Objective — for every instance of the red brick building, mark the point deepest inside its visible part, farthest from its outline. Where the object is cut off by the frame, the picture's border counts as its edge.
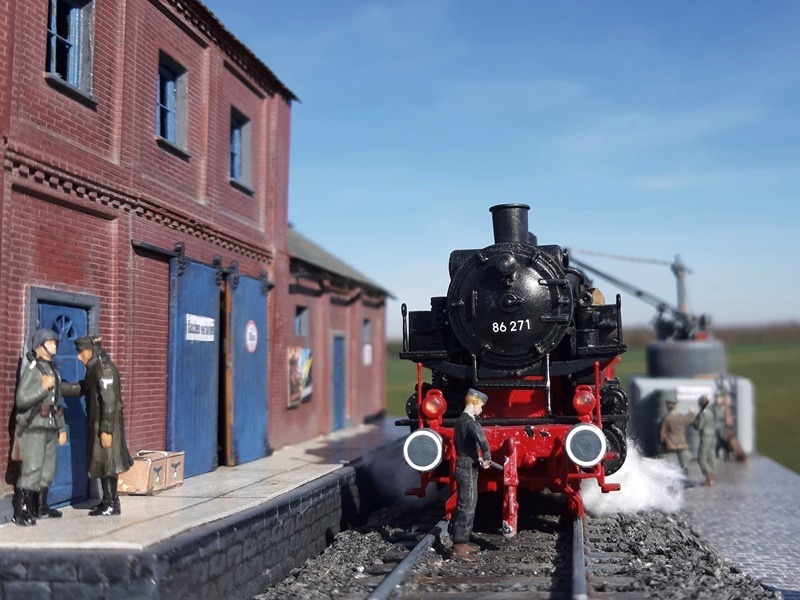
(144, 199)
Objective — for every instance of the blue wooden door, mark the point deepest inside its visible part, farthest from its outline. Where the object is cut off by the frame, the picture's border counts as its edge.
(72, 481)
(339, 382)
(193, 397)
(246, 370)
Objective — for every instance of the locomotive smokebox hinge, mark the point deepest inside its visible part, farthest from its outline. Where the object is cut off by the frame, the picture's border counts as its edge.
(180, 251)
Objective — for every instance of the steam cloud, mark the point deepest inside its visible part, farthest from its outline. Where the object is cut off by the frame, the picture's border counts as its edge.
(647, 483)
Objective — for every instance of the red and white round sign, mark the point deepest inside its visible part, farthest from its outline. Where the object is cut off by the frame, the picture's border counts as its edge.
(251, 336)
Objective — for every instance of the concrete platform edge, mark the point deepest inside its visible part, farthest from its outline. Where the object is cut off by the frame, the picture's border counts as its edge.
(234, 557)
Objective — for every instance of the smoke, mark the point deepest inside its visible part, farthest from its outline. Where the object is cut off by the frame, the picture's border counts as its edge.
(647, 483)
(391, 477)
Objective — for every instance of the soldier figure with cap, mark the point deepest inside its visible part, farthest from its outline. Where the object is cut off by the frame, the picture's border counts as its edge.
(108, 451)
(40, 428)
(673, 434)
(706, 424)
(468, 439)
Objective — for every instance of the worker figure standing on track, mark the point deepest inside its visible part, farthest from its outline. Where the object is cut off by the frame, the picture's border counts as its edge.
(468, 438)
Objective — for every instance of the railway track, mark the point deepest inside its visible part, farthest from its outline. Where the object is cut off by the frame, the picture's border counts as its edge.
(546, 561)
(574, 558)
(651, 554)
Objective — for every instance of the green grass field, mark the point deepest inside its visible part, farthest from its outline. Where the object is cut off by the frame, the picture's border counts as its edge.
(773, 368)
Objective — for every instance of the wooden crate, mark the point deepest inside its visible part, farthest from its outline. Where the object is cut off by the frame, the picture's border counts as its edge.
(173, 474)
(146, 476)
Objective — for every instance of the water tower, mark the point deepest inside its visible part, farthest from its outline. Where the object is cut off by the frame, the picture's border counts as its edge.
(684, 362)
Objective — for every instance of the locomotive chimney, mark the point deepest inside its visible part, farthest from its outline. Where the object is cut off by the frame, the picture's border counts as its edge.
(510, 223)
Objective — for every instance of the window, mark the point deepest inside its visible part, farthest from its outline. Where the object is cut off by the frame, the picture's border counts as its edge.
(301, 320)
(240, 148)
(366, 331)
(69, 37)
(366, 342)
(171, 102)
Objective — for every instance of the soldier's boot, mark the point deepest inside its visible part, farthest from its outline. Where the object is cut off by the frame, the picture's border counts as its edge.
(21, 503)
(42, 510)
(115, 504)
(110, 504)
(105, 503)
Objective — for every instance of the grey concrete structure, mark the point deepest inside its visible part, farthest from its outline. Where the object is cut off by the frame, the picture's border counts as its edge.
(752, 518)
(648, 396)
(225, 534)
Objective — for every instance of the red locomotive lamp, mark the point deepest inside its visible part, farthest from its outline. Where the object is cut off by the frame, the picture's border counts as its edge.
(522, 326)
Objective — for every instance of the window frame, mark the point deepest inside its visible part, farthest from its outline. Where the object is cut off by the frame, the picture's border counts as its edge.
(77, 42)
(366, 331)
(302, 320)
(240, 150)
(171, 104)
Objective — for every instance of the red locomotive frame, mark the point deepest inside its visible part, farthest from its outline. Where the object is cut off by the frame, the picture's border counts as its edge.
(556, 415)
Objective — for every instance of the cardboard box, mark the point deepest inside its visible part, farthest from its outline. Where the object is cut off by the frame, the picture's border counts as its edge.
(174, 468)
(146, 476)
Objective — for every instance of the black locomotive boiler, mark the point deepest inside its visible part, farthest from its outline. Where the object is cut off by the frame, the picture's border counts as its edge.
(521, 325)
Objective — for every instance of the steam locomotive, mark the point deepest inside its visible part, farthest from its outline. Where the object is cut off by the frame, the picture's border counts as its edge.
(521, 325)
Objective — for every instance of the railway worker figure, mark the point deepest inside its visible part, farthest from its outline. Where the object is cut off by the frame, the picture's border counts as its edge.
(468, 438)
(40, 428)
(706, 424)
(673, 434)
(108, 451)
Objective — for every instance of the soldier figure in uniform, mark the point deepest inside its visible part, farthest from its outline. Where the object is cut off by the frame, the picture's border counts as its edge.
(673, 434)
(706, 424)
(468, 438)
(40, 429)
(108, 451)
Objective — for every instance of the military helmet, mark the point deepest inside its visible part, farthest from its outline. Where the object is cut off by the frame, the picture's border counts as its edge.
(87, 342)
(42, 335)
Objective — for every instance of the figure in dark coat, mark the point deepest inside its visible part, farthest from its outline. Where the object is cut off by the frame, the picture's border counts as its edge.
(108, 451)
(468, 439)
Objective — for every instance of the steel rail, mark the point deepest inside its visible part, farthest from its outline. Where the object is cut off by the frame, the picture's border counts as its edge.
(579, 586)
(403, 569)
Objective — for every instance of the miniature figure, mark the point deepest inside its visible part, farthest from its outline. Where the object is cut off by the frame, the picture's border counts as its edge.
(727, 441)
(39, 428)
(673, 434)
(468, 437)
(706, 424)
(108, 451)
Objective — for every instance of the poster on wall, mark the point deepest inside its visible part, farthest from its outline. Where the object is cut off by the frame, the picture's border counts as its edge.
(299, 361)
(366, 355)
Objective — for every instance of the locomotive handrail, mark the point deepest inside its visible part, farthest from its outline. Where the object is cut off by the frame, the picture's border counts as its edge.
(505, 421)
(434, 360)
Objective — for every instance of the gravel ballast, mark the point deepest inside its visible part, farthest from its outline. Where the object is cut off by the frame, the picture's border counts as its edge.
(660, 555)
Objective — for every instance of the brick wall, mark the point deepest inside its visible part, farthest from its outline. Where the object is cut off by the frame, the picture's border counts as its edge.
(83, 175)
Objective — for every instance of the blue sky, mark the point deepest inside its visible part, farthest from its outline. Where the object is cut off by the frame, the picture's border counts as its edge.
(645, 129)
